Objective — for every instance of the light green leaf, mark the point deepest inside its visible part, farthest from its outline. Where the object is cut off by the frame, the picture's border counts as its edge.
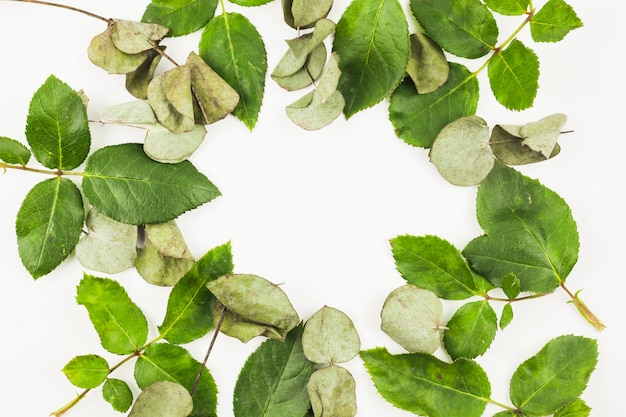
(461, 151)
(48, 225)
(117, 393)
(464, 28)
(555, 376)
(103, 53)
(554, 21)
(87, 371)
(514, 76)
(507, 145)
(165, 146)
(188, 308)
(305, 76)
(459, 389)
(137, 81)
(165, 362)
(171, 100)
(121, 325)
(133, 112)
(434, 264)
(134, 37)
(372, 40)
(529, 231)
(231, 45)
(13, 152)
(418, 118)
(163, 399)
(109, 246)
(507, 316)
(504, 413)
(126, 185)
(427, 67)
(57, 128)
(541, 136)
(250, 3)
(411, 316)
(330, 337)
(332, 391)
(511, 286)
(508, 7)
(301, 49)
(471, 330)
(577, 408)
(272, 382)
(182, 17)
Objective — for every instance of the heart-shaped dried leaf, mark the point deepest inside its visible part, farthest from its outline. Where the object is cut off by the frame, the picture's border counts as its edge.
(541, 136)
(507, 145)
(137, 81)
(428, 66)
(165, 146)
(163, 399)
(171, 100)
(134, 37)
(103, 53)
(461, 151)
(332, 392)
(411, 316)
(330, 337)
(132, 112)
(304, 76)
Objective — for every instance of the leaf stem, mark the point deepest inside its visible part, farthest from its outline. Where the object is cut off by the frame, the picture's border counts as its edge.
(64, 6)
(4, 166)
(206, 357)
(507, 300)
(583, 309)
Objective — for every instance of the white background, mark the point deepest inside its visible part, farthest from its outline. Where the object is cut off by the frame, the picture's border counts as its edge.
(315, 210)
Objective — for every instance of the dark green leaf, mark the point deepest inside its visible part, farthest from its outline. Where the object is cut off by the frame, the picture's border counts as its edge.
(514, 76)
(272, 383)
(553, 21)
(434, 264)
(165, 362)
(180, 16)
(233, 48)
(471, 330)
(507, 316)
(117, 393)
(555, 376)
(57, 128)
(13, 152)
(49, 224)
(372, 41)
(460, 389)
(87, 371)
(577, 408)
(508, 7)
(126, 185)
(418, 118)
(332, 391)
(510, 286)
(163, 399)
(188, 315)
(529, 232)
(464, 28)
(121, 325)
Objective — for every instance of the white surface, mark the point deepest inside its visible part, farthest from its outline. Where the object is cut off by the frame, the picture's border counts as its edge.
(315, 210)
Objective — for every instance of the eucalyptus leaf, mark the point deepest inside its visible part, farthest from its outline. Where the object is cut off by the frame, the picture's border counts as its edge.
(163, 399)
(182, 17)
(134, 37)
(137, 81)
(427, 67)
(87, 371)
(163, 145)
(171, 100)
(117, 393)
(305, 13)
(132, 112)
(471, 330)
(577, 408)
(541, 136)
(332, 391)
(508, 7)
(330, 337)
(13, 152)
(554, 21)
(506, 317)
(305, 76)
(507, 145)
(103, 53)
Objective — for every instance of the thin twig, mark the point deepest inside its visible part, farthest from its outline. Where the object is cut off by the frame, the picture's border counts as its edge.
(206, 357)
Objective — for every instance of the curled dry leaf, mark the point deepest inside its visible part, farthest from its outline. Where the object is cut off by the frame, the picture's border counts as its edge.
(138, 80)
(332, 391)
(170, 98)
(168, 147)
(135, 37)
(301, 14)
(163, 399)
(428, 66)
(330, 337)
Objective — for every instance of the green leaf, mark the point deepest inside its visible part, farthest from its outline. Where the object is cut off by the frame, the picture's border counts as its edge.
(529, 231)
(188, 316)
(332, 391)
(461, 151)
(165, 362)
(555, 376)
(464, 28)
(13, 152)
(117, 393)
(553, 21)
(372, 41)
(434, 264)
(459, 389)
(418, 118)
(577, 408)
(87, 371)
(427, 67)
(248, 3)
(272, 382)
(471, 330)
(511, 286)
(411, 316)
(505, 413)
(514, 76)
(121, 325)
(330, 337)
(182, 17)
(48, 225)
(508, 7)
(507, 316)
(163, 399)
(57, 128)
(126, 185)
(231, 45)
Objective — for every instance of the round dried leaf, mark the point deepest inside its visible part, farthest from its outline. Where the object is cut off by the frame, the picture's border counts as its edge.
(330, 337)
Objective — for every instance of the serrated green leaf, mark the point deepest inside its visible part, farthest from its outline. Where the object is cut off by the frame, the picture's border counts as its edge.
(87, 371)
(332, 391)
(529, 231)
(507, 316)
(330, 337)
(103, 53)
(508, 7)
(418, 118)
(411, 316)
(554, 21)
(137, 81)
(577, 408)
(372, 41)
(171, 100)
(163, 399)
(434, 264)
(541, 136)
(514, 76)
(48, 225)
(182, 17)
(464, 28)
(555, 376)
(117, 393)
(57, 128)
(188, 314)
(165, 362)
(272, 382)
(132, 112)
(459, 389)
(120, 324)
(250, 3)
(13, 152)
(505, 413)
(135, 37)
(163, 145)
(461, 151)
(125, 184)
(511, 286)
(427, 67)
(231, 45)
(471, 330)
